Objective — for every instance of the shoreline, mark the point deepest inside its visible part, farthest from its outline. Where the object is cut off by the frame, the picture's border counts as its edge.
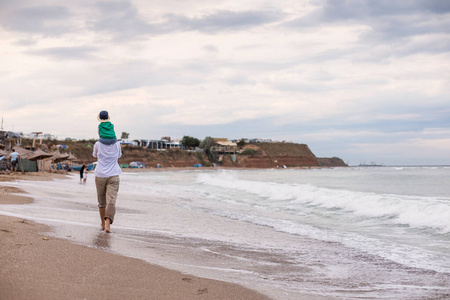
(12, 195)
(35, 265)
(131, 170)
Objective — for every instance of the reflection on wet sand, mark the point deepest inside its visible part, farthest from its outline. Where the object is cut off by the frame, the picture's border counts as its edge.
(102, 240)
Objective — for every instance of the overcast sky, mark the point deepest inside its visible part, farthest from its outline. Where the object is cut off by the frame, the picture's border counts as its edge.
(361, 80)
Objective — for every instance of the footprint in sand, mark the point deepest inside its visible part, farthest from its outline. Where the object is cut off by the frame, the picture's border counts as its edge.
(202, 291)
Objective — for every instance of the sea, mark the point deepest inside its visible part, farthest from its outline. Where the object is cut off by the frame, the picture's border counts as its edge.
(333, 233)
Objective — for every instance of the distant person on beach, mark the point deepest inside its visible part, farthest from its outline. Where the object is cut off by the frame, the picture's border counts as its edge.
(82, 171)
(107, 151)
(14, 160)
(85, 176)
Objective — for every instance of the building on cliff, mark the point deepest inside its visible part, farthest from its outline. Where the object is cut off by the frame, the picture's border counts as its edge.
(164, 143)
(224, 147)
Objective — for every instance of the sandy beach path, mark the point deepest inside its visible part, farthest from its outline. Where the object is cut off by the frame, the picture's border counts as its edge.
(35, 266)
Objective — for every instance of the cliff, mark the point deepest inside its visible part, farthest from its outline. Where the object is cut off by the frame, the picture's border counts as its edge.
(271, 155)
(168, 158)
(331, 162)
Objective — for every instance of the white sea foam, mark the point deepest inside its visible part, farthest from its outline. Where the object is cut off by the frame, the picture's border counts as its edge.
(414, 211)
(374, 223)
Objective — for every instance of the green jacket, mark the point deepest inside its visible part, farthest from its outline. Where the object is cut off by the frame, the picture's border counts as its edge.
(106, 130)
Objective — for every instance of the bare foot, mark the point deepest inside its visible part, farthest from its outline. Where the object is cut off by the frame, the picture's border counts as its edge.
(103, 225)
(107, 227)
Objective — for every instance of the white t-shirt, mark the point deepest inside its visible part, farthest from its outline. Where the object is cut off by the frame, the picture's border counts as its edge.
(107, 156)
(14, 155)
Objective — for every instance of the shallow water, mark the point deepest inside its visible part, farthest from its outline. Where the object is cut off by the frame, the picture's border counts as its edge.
(348, 232)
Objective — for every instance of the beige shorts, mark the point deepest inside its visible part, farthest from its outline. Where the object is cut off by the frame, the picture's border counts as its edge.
(107, 189)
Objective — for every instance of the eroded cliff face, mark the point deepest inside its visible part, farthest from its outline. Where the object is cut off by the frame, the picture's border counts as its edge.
(168, 158)
(263, 155)
(272, 155)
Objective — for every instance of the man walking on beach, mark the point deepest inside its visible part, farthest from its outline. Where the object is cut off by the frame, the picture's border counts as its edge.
(107, 151)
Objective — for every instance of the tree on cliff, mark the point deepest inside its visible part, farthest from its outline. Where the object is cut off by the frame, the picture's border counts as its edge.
(124, 135)
(190, 142)
(241, 143)
(206, 146)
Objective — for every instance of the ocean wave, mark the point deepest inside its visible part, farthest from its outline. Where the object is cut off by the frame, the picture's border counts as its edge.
(413, 211)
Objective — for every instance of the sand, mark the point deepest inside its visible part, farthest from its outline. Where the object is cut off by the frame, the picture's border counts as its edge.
(36, 266)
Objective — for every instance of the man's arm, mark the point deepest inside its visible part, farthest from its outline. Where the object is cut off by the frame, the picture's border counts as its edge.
(95, 150)
(120, 150)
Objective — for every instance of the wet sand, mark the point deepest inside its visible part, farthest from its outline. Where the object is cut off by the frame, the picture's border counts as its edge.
(34, 265)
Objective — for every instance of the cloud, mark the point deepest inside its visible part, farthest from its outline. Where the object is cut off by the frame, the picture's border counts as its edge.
(239, 80)
(64, 53)
(346, 10)
(398, 23)
(103, 77)
(224, 20)
(25, 42)
(44, 20)
(210, 49)
(123, 21)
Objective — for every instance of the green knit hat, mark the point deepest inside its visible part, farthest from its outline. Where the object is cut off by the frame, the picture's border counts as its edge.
(106, 130)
